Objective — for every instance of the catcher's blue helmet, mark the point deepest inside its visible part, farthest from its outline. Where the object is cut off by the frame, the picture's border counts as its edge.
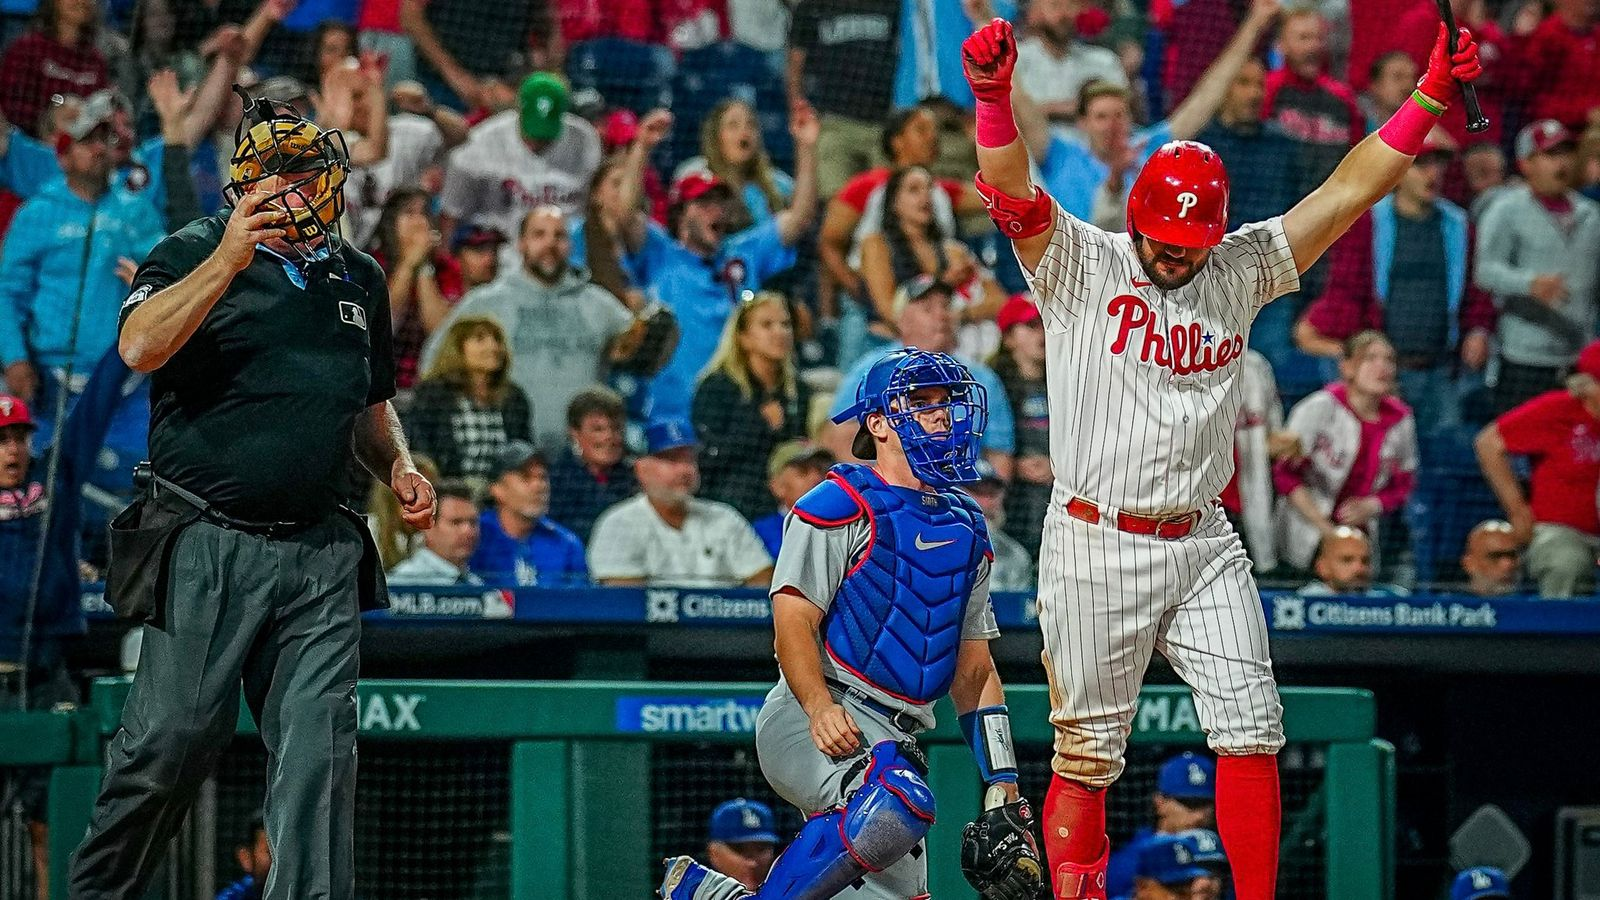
(940, 458)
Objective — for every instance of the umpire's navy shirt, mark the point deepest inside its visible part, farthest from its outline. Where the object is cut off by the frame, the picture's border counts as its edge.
(255, 412)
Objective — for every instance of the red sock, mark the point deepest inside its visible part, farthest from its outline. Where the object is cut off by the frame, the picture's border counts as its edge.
(1249, 816)
(1074, 822)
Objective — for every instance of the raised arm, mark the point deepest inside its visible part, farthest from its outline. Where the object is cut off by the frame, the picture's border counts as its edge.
(1374, 167)
(1022, 212)
(1208, 93)
(805, 128)
(652, 131)
(414, 19)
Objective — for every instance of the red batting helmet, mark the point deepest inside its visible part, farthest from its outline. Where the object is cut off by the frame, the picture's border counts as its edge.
(1181, 196)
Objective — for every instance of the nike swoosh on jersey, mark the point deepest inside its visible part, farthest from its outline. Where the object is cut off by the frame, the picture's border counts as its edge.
(931, 545)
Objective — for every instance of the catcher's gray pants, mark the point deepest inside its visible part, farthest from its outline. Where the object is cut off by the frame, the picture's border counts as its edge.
(281, 616)
(816, 782)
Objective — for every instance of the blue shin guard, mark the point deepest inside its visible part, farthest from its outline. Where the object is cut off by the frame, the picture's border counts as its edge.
(880, 823)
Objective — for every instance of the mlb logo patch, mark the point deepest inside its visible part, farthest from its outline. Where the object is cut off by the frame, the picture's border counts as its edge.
(352, 314)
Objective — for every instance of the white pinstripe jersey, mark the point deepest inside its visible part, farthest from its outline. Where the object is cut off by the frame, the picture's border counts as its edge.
(1141, 381)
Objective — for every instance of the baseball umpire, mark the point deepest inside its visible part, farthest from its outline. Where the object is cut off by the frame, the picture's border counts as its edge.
(269, 345)
(880, 604)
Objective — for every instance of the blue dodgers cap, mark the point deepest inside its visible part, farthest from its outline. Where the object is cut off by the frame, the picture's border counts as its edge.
(1188, 776)
(666, 434)
(1480, 883)
(742, 821)
(1205, 846)
(1169, 859)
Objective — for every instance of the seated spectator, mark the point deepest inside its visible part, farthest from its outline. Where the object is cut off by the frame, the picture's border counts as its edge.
(254, 856)
(57, 57)
(1556, 520)
(1483, 167)
(424, 281)
(911, 242)
(925, 320)
(1538, 252)
(731, 151)
(1343, 565)
(793, 468)
(1012, 567)
(65, 268)
(1480, 883)
(1309, 104)
(1361, 453)
(1053, 65)
(449, 545)
(1259, 442)
(416, 136)
(1407, 272)
(1492, 559)
(564, 329)
(590, 473)
(519, 160)
(842, 57)
(477, 255)
(750, 399)
(1091, 177)
(1186, 866)
(1247, 144)
(1185, 798)
(701, 274)
(1020, 367)
(395, 539)
(518, 544)
(1390, 80)
(743, 841)
(665, 535)
(466, 407)
(1558, 76)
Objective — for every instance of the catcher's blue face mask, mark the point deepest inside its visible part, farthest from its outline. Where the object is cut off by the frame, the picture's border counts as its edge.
(933, 404)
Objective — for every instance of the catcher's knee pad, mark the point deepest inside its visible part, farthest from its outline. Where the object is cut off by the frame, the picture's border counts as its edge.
(880, 823)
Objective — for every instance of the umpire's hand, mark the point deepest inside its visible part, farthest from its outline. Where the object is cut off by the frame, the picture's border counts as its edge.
(417, 501)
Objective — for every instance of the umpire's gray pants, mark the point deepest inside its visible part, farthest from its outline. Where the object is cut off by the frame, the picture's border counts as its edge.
(281, 616)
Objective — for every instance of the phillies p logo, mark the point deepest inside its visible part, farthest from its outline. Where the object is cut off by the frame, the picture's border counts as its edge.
(1186, 200)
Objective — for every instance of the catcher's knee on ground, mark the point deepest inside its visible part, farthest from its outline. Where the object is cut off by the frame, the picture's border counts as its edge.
(880, 823)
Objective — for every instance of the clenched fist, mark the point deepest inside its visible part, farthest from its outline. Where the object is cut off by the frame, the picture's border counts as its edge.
(988, 55)
(1447, 71)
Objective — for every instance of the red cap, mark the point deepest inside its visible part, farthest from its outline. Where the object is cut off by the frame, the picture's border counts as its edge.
(1542, 137)
(14, 412)
(695, 185)
(1589, 361)
(1181, 196)
(1016, 311)
(619, 128)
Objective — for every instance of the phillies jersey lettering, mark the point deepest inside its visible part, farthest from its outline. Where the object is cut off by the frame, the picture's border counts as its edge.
(1142, 382)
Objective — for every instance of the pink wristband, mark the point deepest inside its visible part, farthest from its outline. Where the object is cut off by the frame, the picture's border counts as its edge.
(996, 126)
(1408, 127)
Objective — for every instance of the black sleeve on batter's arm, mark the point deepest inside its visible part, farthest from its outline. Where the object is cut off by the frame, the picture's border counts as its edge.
(380, 358)
(176, 256)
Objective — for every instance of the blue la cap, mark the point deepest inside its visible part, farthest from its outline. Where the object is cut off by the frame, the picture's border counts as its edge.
(1188, 776)
(666, 434)
(1480, 883)
(1205, 846)
(1169, 859)
(742, 821)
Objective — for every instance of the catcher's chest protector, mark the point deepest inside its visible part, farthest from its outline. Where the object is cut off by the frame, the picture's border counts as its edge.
(897, 618)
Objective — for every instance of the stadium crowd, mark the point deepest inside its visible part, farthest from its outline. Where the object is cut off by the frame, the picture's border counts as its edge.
(619, 330)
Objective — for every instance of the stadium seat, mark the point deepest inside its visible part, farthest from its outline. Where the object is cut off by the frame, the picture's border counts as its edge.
(1450, 497)
(626, 74)
(707, 76)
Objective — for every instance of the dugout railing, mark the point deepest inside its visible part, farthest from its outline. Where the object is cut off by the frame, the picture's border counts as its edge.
(576, 789)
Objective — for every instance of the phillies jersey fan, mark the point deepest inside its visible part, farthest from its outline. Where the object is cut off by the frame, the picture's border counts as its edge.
(1144, 334)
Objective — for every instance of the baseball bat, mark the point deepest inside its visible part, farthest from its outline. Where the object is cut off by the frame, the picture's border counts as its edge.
(1476, 120)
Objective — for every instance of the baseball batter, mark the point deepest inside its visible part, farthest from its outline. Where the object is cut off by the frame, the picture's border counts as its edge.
(1144, 336)
(880, 605)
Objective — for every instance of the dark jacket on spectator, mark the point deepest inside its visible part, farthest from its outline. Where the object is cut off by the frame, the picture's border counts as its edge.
(736, 440)
(577, 497)
(35, 67)
(460, 436)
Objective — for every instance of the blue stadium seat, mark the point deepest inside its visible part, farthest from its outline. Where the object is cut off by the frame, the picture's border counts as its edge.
(712, 74)
(1449, 499)
(626, 74)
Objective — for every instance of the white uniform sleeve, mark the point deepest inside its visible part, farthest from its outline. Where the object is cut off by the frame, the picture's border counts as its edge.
(813, 561)
(1260, 254)
(741, 546)
(979, 624)
(461, 194)
(1062, 281)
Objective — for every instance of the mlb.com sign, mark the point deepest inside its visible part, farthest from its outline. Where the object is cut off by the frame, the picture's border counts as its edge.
(688, 715)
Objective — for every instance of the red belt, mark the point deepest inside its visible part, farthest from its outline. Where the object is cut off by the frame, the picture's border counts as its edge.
(1162, 528)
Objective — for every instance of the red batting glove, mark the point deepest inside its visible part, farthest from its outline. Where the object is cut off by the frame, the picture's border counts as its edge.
(988, 55)
(1446, 72)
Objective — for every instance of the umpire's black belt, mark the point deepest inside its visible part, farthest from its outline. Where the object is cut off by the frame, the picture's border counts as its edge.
(274, 530)
(899, 718)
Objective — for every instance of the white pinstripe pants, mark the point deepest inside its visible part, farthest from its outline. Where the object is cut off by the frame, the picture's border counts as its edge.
(1108, 598)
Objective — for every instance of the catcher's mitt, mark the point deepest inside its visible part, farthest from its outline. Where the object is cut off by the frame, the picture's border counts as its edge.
(998, 854)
